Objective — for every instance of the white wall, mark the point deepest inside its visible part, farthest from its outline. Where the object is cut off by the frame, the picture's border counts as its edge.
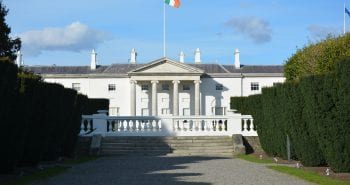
(263, 82)
(210, 97)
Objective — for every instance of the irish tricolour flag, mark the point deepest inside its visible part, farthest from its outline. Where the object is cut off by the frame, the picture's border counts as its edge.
(173, 3)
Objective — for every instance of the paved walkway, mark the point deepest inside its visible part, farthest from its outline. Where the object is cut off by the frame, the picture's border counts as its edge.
(145, 170)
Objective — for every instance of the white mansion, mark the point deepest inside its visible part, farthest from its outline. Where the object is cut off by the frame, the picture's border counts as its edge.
(164, 86)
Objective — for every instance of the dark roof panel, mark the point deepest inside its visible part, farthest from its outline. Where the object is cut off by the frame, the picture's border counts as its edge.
(125, 68)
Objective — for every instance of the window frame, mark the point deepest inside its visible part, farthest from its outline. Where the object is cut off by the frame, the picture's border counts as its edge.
(112, 87)
(76, 86)
(219, 87)
(254, 86)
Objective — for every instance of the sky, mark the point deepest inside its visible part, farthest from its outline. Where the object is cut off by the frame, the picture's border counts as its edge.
(267, 32)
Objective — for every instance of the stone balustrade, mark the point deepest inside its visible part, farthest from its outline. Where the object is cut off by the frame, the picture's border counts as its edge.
(167, 125)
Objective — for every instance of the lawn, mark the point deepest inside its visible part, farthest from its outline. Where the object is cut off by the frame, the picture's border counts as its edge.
(48, 172)
(309, 175)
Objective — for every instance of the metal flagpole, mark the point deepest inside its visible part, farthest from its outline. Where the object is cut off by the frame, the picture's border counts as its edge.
(344, 17)
(163, 29)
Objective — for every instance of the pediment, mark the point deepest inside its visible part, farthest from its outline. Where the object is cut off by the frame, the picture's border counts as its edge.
(166, 66)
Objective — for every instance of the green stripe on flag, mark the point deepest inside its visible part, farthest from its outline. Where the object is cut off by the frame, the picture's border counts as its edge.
(167, 1)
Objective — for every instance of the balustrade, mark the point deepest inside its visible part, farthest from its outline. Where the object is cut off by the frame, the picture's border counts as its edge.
(168, 126)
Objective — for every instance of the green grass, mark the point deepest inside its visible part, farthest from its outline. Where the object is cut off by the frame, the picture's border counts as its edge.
(253, 158)
(49, 172)
(37, 176)
(309, 175)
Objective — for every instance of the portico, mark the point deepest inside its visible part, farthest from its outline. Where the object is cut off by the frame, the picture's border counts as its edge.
(165, 78)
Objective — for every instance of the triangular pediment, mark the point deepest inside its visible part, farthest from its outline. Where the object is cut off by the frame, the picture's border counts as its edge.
(166, 66)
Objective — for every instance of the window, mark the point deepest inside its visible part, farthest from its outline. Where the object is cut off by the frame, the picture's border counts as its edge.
(219, 87)
(114, 111)
(166, 100)
(186, 87)
(144, 87)
(145, 112)
(218, 110)
(76, 86)
(186, 112)
(111, 87)
(254, 86)
(165, 87)
(165, 111)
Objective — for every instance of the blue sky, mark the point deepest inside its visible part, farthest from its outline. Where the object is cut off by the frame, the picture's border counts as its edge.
(63, 32)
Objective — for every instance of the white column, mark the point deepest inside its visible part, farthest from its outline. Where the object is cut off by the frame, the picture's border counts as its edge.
(154, 97)
(176, 98)
(197, 97)
(133, 97)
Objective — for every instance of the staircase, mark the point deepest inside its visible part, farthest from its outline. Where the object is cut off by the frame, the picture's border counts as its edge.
(220, 146)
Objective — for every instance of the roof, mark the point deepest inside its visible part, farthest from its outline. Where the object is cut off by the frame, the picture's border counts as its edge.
(125, 68)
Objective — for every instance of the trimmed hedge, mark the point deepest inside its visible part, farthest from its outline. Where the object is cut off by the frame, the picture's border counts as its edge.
(41, 121)
(314, 113)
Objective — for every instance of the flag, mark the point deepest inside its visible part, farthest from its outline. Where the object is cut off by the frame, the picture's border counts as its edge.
(173, 3)
(347, 12)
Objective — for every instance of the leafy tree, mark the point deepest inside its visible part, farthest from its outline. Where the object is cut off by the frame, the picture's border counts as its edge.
(8, 46)
(317, 58)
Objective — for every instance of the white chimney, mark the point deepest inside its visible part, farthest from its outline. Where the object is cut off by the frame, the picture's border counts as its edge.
(237, 62)
(133, 55)
(19, 60)
(197, 56)
(182, 57)
(93, 60)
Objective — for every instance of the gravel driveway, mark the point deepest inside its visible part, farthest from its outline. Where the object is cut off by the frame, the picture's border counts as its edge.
(151, 170)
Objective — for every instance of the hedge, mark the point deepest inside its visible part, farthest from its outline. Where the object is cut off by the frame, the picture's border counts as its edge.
(314, 112)
(41, 121)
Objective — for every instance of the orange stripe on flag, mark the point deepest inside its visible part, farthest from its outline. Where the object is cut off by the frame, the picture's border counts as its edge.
(177, 3)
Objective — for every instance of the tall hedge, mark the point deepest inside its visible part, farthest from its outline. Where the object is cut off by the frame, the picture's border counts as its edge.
(11, 135)
(41, 121)
(314, 112)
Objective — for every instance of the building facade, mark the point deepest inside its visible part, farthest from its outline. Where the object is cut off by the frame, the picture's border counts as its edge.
(164, 86)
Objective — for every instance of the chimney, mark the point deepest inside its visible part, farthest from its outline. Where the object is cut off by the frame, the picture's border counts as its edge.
(19, 60)
(237, 62)
(133, 55)
(182, 57)
(93, 60)
(197, 56)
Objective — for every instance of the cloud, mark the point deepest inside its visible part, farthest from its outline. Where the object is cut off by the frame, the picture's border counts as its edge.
(74, 37)
(254, 28)
(321, 32)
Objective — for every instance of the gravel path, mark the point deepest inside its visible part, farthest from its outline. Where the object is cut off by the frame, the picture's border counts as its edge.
(146, 170)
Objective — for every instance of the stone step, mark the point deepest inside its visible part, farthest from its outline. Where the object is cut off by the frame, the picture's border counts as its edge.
(143, 153)
(168, 141)
(203, 151)
(165, 139)
(226, 155)
(134, 148)
(201, 144)
(202, 148)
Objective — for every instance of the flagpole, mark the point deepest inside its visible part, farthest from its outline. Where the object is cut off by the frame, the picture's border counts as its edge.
(344, 18)
(163, 29)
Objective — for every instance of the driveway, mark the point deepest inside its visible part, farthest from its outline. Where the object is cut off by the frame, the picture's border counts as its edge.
(153, 170)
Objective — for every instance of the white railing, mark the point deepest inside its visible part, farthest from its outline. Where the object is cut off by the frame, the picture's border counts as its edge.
(167, 125)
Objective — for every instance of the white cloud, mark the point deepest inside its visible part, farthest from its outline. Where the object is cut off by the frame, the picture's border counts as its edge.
(74, 37)
(254, 28)
(321, 32)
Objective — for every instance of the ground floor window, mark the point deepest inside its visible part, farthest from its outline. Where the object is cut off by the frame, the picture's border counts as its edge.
(114, 111)
(186, 112)
(218, 111)
(145, 112)
(165, 111)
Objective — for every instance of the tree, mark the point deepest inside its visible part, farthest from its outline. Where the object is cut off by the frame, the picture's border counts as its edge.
(318, 58)
(8, 46)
